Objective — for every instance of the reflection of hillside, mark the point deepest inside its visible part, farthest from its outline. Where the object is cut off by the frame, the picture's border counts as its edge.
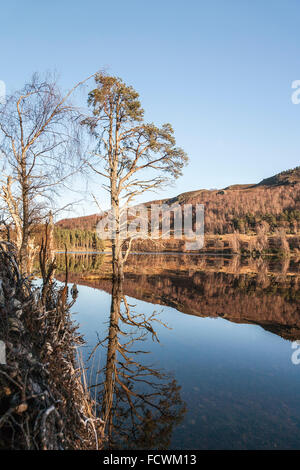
(97, 265)
(238, 293)
(190, 264)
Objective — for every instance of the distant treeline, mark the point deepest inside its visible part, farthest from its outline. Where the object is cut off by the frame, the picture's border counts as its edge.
(77, 239)
(72, 239)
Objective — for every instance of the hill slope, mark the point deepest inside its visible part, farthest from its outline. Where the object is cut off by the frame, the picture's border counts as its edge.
(274, 201)
(288, 177)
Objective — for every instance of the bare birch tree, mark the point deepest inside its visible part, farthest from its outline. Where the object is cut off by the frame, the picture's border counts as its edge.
(39, 150)
(131, 155)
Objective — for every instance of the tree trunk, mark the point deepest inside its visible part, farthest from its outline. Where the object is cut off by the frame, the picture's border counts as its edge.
(117, 255)
(24, 251)
(112, 347)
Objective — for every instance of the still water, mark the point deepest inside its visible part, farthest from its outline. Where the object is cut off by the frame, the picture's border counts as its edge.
(193, 352)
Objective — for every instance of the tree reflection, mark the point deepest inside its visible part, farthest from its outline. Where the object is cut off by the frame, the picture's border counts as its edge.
(139, 404)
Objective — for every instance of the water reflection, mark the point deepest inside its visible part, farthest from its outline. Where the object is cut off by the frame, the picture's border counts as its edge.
(139, 404)
(225, 349)
(263, 292)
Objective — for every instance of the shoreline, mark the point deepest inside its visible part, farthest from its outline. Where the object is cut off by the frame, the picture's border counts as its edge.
(44, 403)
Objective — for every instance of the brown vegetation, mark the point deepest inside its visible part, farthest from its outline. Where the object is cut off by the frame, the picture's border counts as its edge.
(261, 218)
(43, 403)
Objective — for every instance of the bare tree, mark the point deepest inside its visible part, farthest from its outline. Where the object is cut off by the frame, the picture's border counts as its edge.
(283, 242)
(131, 155)
(235, 242)
(262, 236)
(39, 148)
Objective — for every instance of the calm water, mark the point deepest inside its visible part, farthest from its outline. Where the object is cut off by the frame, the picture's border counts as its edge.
(220, 376)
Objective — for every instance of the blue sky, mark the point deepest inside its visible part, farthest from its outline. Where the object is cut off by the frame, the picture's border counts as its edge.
(220, 71)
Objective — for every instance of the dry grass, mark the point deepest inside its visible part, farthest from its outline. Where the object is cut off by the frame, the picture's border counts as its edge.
(43, 402)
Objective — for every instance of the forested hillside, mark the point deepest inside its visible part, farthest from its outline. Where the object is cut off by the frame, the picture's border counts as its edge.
(76, 239)
(274, 202)
(72, 239)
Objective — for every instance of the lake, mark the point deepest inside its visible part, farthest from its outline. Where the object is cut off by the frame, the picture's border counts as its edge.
(192, 352)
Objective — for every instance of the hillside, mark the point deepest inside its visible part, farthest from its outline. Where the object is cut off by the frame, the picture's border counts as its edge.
(241, 208)
(288, 177)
